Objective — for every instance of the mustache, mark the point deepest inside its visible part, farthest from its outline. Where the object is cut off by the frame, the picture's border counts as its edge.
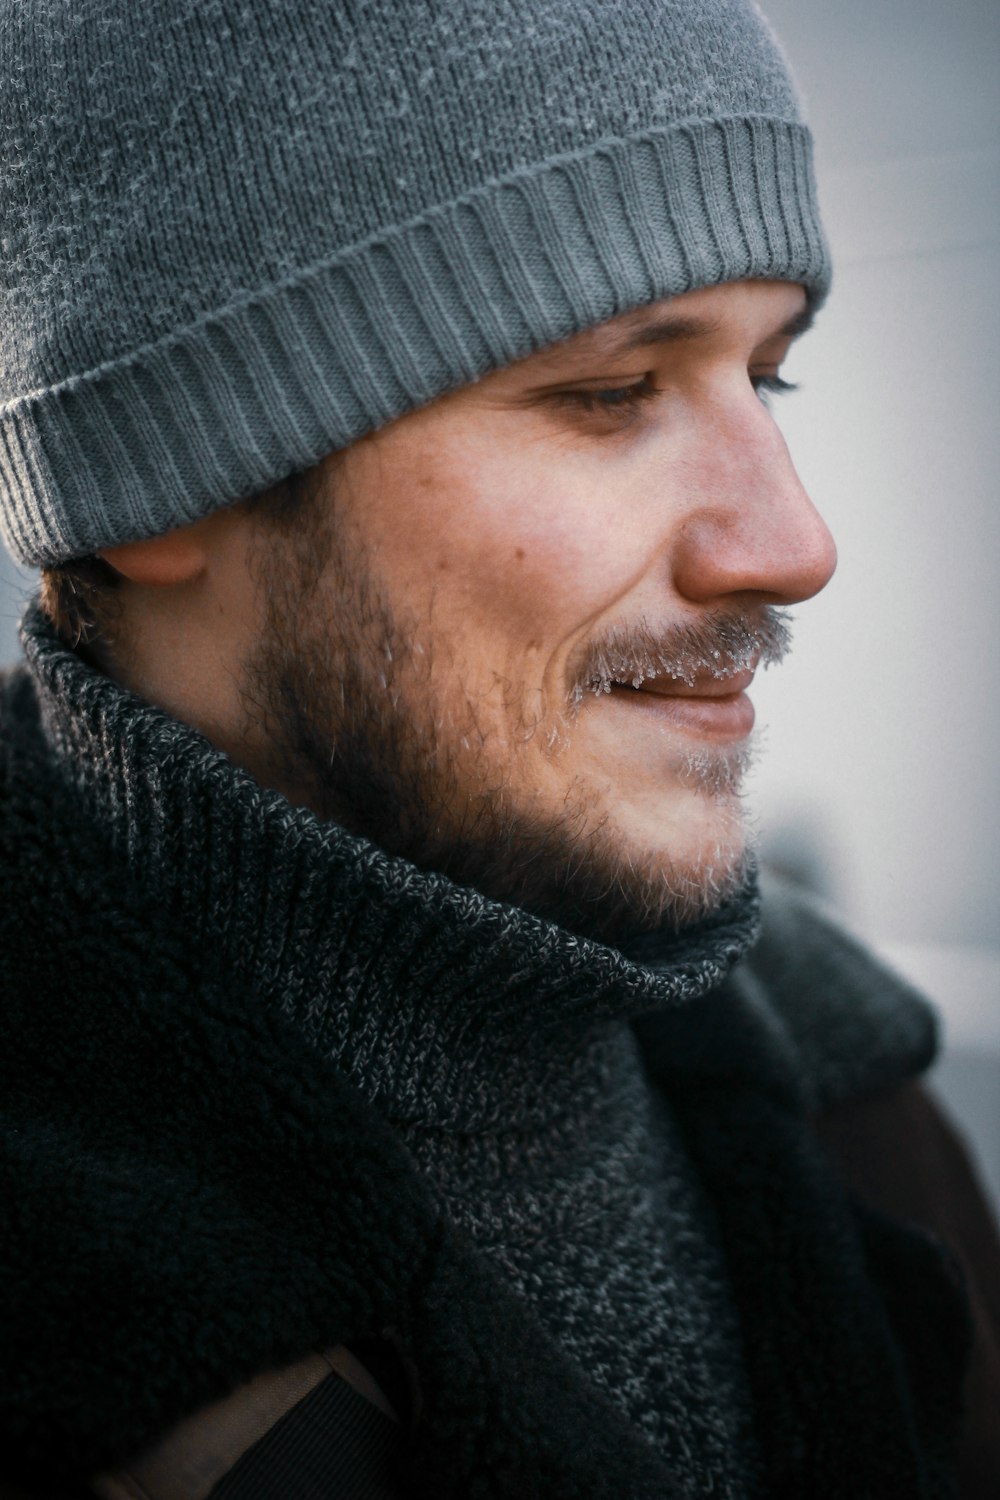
(719, 644)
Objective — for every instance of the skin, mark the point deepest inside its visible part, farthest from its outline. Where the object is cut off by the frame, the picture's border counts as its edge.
(503, 530)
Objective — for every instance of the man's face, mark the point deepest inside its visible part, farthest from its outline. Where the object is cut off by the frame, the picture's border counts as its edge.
(513, 642)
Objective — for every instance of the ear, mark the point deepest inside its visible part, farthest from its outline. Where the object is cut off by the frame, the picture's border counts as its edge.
(161, 561)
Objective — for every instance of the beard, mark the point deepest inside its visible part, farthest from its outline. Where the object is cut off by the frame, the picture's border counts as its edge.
(343, 697)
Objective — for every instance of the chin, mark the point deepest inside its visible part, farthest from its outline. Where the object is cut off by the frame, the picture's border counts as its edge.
(648, 868)
(690, 857)
(690, 827)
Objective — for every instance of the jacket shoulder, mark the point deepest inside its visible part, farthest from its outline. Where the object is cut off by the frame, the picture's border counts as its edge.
(900, 1154)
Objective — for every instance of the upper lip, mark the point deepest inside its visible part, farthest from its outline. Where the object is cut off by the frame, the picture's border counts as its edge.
(705, 686)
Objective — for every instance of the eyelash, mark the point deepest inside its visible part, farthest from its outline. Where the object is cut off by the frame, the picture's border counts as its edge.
(622, 398)
(771, 385)
(627, 399)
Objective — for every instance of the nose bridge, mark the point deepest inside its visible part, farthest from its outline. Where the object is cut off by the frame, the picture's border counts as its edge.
(751, 526)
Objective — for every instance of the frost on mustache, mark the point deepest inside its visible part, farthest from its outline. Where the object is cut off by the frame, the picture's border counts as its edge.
(719, 646)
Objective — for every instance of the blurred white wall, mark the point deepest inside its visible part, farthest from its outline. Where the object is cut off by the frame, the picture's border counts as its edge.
(883, 725)
(879, 777)
(15, 586)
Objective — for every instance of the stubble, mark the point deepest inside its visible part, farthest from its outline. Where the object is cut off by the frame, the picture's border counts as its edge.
(345, 695)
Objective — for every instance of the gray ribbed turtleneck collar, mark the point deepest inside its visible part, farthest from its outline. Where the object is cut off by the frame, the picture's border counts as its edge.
(438, 1000)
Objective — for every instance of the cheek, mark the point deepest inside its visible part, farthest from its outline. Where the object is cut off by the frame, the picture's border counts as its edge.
(543, 561)
(515, 547)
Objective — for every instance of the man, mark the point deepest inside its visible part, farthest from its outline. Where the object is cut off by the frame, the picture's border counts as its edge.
(398, 1099)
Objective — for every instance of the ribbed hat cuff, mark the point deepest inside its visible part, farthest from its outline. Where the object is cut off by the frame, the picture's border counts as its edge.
(276, 380)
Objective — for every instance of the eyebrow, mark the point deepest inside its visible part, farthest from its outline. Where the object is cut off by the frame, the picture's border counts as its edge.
(676, 328)
(673, 329)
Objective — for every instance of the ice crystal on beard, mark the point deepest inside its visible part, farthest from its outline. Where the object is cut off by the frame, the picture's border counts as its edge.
(718, 771)
(720, 645)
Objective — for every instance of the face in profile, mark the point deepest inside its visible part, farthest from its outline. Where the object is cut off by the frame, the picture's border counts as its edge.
(514, 641)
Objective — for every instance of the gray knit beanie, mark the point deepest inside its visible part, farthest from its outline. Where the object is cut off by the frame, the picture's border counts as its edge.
(238, 234)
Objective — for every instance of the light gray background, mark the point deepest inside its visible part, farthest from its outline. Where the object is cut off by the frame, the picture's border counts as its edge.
(879, 778)
(880, 774)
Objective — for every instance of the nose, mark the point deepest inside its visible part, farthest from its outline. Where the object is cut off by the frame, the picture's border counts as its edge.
(750, 528)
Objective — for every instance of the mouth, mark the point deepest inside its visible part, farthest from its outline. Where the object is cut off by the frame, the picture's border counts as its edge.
(715, 708)
(704, 686)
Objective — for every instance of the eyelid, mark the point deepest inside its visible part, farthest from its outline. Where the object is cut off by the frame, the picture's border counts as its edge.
(608, 398)
(625, 399)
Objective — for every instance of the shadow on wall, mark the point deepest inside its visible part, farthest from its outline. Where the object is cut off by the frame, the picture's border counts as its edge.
(796, 846)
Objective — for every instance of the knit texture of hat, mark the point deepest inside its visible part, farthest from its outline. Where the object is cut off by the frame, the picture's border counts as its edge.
(236, 235)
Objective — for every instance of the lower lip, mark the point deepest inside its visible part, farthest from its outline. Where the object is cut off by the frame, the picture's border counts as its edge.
(727, 718)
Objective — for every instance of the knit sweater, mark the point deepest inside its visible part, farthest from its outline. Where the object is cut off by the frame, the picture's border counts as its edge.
(527, 1104)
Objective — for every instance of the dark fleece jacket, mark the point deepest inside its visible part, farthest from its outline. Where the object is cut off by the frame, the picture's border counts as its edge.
(196, 1194)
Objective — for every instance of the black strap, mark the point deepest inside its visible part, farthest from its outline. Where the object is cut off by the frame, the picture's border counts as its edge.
(334, 1445)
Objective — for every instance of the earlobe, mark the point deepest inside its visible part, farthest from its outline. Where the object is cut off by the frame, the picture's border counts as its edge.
(160, 561)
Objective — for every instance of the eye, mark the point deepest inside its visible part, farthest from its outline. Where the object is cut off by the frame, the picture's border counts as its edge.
(616, 400)
(771, 385)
